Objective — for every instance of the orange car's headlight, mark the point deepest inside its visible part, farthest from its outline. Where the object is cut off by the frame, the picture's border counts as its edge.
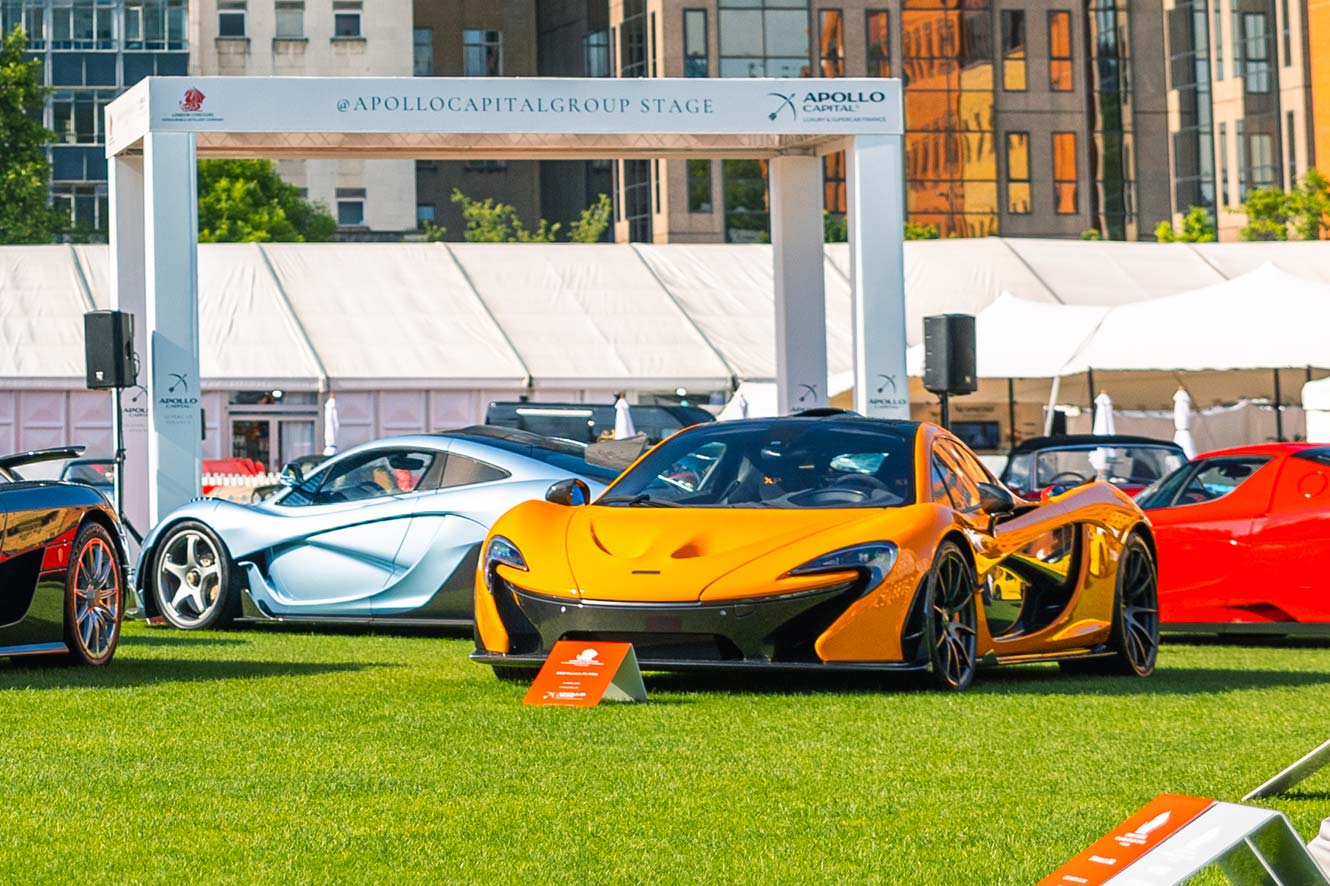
(501, 550)
(874, 559)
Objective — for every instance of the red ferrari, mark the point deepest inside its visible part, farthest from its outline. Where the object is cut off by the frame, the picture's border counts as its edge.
(1243, 537)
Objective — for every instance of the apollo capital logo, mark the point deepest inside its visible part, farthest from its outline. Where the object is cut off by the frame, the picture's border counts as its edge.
(193, 100)
(786, 102)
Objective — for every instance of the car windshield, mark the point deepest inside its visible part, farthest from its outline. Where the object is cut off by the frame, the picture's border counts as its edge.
(567, 455)
(790, 463)
(1201, 481)
(1121, 465)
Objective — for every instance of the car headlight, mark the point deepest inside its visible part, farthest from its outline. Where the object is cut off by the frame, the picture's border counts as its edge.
(501, 550)
(874, 559)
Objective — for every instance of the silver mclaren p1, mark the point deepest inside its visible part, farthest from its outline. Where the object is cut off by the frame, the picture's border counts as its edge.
(386, 532)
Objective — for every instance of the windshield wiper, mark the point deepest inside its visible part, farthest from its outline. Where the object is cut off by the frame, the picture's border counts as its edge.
(641, 500)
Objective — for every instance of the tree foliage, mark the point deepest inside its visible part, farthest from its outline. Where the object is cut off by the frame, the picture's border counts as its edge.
(26, 214)
(591, 225)
(922, 232)
(1302, 213)
(246, 201)
(491, 222)
(836, 229)
(1198, 226)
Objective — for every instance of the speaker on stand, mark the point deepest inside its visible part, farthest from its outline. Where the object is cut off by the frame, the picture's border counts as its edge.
(108, 348)
(949, 358)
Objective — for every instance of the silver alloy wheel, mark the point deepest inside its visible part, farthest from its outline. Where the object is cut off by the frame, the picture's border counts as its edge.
(96, 597)
(189, 578)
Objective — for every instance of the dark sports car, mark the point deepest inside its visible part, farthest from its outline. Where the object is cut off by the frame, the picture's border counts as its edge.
(1129, 463)
(62, 566)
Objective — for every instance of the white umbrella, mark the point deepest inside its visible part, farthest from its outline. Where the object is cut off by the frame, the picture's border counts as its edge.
(1103, 427)
(623, 420)
(1182, 423)
(331, 425)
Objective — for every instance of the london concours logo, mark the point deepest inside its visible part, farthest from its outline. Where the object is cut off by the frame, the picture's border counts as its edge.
(193, 101)
(190, 107)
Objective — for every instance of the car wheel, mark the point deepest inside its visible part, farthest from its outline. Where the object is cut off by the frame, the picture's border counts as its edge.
(1134, 637)
(193, 579)
(952, 620)
(94, 598)
(514, 675)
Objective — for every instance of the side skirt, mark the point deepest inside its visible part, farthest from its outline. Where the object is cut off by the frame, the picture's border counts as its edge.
(33, 649)
(647, 664)
(1273, 628)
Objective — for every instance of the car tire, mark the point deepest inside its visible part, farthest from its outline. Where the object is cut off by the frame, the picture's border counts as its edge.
(514, 675)
(1133, 640)
(195, 583)
(951, 620)
(94, 598)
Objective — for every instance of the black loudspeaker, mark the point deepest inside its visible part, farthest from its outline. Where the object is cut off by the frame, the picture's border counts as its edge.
(108, 343)
(949, 354)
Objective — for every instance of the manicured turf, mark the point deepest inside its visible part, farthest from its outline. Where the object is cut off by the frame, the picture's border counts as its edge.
(272, 755)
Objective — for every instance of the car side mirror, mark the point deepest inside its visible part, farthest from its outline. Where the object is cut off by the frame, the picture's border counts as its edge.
(572, 493)
(995, 500)
(291, 475)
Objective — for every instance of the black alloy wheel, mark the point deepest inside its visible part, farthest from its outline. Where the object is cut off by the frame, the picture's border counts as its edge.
(1134, 637)
(952, 619)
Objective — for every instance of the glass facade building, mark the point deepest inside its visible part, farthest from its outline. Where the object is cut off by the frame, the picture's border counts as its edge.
(91, 51)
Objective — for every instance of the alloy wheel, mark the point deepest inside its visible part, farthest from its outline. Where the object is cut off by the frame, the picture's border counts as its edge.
(189, 577)
(1139, 615)
(96, 598)
(954, 622)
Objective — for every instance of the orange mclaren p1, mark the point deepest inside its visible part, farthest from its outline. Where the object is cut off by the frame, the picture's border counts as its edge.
(821, 543)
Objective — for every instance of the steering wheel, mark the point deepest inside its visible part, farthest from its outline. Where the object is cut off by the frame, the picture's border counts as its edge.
(865, 483)
(1067, 476)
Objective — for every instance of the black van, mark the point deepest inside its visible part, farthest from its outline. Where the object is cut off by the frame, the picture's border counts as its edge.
(589, 422)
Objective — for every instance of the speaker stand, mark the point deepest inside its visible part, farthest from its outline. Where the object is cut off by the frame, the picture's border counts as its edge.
(120, 467)
(944, 400)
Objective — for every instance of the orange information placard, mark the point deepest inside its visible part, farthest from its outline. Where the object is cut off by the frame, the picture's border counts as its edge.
(1127, 842)
(580, 673)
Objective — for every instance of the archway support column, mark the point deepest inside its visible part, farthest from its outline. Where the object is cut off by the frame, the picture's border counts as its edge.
(801, 312)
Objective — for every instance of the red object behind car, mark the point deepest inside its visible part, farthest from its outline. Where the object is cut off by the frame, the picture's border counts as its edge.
(1243, 537)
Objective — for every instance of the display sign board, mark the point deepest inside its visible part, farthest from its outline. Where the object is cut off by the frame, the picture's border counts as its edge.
(1173, 838)
(580, 673)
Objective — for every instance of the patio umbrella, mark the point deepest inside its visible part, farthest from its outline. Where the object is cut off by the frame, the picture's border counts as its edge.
(1103, 427)
(1182, 422)
(331, 425)
(623, 420)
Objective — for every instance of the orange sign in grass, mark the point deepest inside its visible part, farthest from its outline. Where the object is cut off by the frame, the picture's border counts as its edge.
(1140, 833)
(580, 673)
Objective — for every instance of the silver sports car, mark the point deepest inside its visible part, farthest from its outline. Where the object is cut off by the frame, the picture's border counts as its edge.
(387, 532)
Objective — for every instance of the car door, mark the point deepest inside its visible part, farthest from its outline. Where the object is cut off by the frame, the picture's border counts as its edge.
(1204, 534)
(351, 521)
(435, 567)
(39, 527)
(1289, 547)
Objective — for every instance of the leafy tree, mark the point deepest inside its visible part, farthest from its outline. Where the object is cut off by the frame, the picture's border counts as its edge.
(1276, 214)
(246, 201)
(433, 233)
(835, 228)
(1198, 226)
(591, 225)
(491, 222)
(922, 232)
(1091, 234)
(26, 214)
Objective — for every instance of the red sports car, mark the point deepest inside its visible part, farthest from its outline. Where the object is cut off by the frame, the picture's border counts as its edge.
(1244, 538)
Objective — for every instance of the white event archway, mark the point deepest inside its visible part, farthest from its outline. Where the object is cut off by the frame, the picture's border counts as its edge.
(158, 129)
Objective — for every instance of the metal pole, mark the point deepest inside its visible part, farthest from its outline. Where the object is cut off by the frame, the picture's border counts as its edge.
(1089, 382)
(945, 400)
(1279, 411)
(1011, 411)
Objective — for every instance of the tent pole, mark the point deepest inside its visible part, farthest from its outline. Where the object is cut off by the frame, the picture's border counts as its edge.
(1052, 403)
(1089, 383)
(1279, 411)
(1011, 411)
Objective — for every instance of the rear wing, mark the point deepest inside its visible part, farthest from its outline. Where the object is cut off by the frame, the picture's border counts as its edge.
(32, 456)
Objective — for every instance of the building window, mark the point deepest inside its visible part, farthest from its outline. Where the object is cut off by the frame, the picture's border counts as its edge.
(1064, 173)
(653, 49)
(763, 38)
(696, 54)
(350, 207)
(424, 215)
(596, 54)
(231, 18)
(747, 213)
(290, 20)
(83, 24)
(346, 20)
(1060, 74)
(1292, 142)
(1013, 50)
(878, 28)
(1018, 173)
(155, 24)
(1240, 133)
(833, 184)
(1218, 17)
(1256, 53)
(482, 53)
(831, 43)
(422, 52)
(637, 199)
(1264, 172)
(86, 204)
(76, 116)
(699, 186)
(633, 40)
(30, 14)
(1223, 165)
(656, 205)
(1286, 31)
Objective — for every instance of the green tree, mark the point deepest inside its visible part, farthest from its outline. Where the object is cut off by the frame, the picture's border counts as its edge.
(835, 228)
(26, 213)
(246, 201)
(1198, 226)
(591, 225)
(1091, 234)
(921, 232)
(491, 222)
(1275, 214)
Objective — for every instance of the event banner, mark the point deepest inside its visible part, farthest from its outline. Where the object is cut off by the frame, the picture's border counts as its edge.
(579, 674)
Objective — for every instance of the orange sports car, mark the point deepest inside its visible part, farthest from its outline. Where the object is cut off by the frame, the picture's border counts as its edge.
(821, 542)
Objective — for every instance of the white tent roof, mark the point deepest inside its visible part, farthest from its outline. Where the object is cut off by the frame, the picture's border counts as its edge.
(43, 296)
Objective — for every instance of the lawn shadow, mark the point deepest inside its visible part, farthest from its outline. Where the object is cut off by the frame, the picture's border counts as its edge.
(1223, 641)
(177, 638)
(1310, 796)
(32, 674)
(1024, 680)
(332, 629)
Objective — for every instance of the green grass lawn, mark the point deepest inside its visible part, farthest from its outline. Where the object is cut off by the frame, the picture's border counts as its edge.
(274, 755)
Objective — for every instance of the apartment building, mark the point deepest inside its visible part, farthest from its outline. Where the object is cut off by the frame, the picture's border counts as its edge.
(91, 51)
(370, 199)
(1021, 119)
(510, 38)
(1249, 99)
